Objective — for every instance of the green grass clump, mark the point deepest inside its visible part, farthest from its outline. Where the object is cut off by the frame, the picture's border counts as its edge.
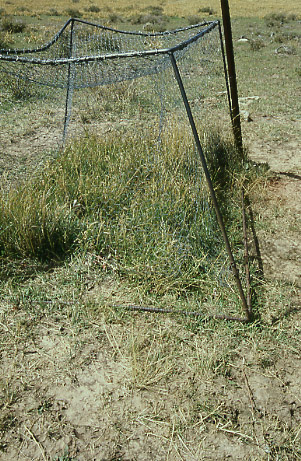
(93, 9)
(207, 9)
(74, 13)
(4, 40)
(12, 25)
(143, 207)
(280, 18)
(194, 19)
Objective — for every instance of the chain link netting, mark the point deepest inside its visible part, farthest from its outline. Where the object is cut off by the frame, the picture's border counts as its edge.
(94, 76)
(93, 80)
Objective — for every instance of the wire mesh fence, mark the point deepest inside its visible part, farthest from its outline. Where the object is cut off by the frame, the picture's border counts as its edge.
(147, 93)
(91, 78)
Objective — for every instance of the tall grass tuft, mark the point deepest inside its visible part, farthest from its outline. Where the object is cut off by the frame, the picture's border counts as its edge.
(142, 205)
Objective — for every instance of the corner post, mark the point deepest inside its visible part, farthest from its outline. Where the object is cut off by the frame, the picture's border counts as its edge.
(70, 78)
(235, 116)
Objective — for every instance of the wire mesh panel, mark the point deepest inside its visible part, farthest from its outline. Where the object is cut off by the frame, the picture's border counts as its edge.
(93, 77)
(92, 80)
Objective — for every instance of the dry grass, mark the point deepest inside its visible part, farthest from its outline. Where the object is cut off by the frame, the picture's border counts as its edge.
(128, 8)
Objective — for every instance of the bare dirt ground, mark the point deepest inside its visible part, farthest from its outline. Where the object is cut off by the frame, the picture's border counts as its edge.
(281, 206)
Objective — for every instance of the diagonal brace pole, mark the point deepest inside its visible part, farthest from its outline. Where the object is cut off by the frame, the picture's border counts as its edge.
(210, 186)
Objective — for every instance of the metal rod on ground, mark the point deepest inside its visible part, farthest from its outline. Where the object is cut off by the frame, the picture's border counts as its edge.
(210, 186)
(235, 116)
(246, 253)
(158, 310)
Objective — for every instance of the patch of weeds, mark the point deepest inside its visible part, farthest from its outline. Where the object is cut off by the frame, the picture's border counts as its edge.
(292, 17)
(23, 9)
(13, 26)
(278, 19)
(5, 40)
(7, 421)
(119, 98)
(83, 201)
(275, 19)
(64, 457)
(19, 89)
(223, 161)
(53, 12)
(45, 406)
(256, 44)
(93, 9)
(21, 270)
(207, 9)
(161, 27)
(74, 13)
(194, 19)
(279, 38)
(115, 18)
(110, 44)
(150, 18)
(155, 10)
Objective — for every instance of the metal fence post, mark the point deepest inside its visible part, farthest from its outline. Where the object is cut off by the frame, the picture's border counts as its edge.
(69, 95)
(235, 116)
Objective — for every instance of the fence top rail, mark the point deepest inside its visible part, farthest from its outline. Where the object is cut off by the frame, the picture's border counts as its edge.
(15, 55)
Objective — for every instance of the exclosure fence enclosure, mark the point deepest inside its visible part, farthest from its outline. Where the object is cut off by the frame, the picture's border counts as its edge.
(94, 79)
(88, 74)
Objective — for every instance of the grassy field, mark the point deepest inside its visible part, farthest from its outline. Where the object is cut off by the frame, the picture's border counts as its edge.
(83, 380)
(249, 8)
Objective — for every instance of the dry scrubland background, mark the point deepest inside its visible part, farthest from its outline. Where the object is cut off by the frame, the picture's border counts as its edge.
(82, 381)
(242, 8)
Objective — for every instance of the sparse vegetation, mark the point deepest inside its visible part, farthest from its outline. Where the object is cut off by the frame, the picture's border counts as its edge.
(208, 10)
(93, 9)
(194, 19)
(5, 40)
(74, 13)
(256, 44)
(13, 26)
(154, 19)
(115, 18)
(175, 9)
(18, 88)
(278, 19)
(54, 12)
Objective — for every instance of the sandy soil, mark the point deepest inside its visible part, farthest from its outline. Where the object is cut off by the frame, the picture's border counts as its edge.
(281, 207)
